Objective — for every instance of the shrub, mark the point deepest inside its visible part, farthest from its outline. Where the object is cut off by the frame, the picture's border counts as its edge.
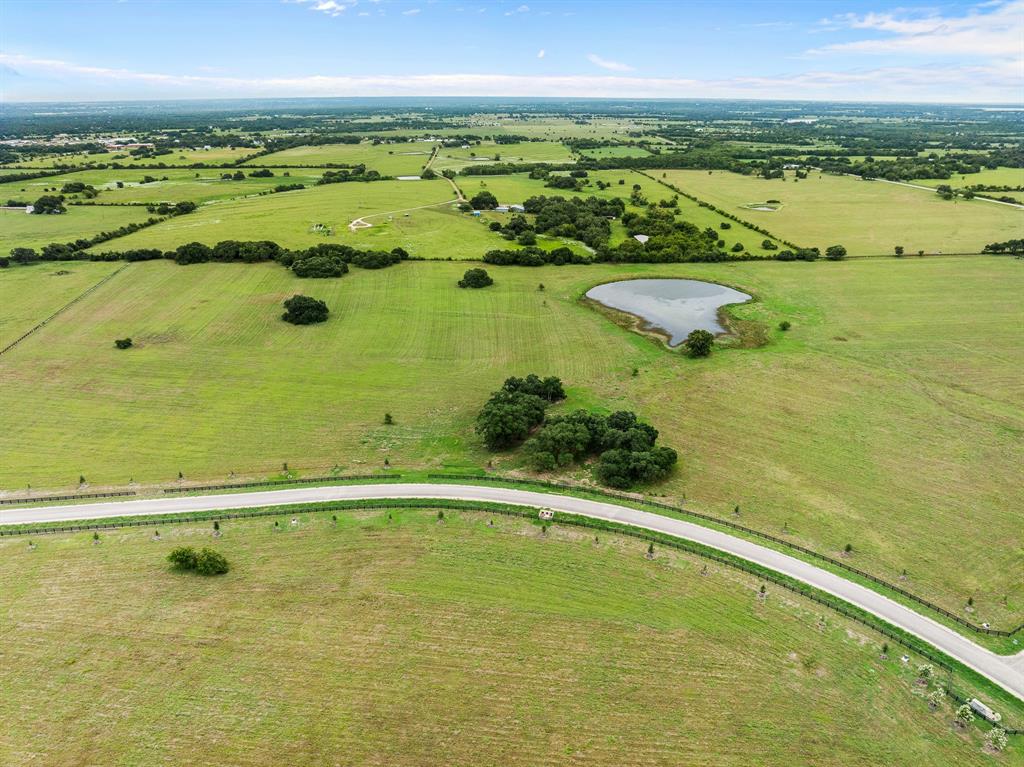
(4, 262)
(835, 253)
(205, 561)
(23, 255)
(123, 343)
(475, 278)
(303, 310)
(784, 325)
(210, 562)
(183, 557)
(698, 343)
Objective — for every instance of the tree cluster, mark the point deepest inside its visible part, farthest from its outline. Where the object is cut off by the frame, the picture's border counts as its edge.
(303, 310)
(625, 447)
(1010, 246)
(475, 278)
(517, 408)
(534, 257)
(355, 173)
(586, 220)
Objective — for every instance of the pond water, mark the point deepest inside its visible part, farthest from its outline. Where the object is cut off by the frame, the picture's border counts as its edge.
(673, 306)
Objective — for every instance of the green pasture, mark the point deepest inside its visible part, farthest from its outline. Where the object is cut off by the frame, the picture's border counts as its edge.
(457, 158)
(401, 159)
(19, 229)
(184, 156)
(394, 639)
(888, 418)
(615, 151)
(172, 185)
(994, 177)
(416, 215)
(867, 217)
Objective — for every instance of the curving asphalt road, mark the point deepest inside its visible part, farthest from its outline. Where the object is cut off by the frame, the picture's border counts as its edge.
(1005, 671)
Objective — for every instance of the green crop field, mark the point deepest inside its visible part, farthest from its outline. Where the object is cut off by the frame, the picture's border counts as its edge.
(889, 416)
(868, 217)
(19, 229)
(213, 156)
(402, 641)
(412, 214)
(387, 159)
(172, 185)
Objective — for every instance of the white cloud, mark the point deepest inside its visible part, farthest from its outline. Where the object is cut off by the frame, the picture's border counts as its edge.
(411, 12)
(540, 53)
(329, 7)
(967, 84)
(614, 66)
(520, 9)
(990, 30)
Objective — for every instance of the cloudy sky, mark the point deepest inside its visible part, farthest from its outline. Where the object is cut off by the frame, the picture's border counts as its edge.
(869, 51)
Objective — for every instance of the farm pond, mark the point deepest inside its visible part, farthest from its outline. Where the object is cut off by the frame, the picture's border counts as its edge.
(672, 307)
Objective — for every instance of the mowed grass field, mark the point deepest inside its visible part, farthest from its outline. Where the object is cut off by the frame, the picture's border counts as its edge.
(616, 151)
(889, 417)
(868, 217)
(414, 215)
(185, 156)
(172, 185)
(402, 641)
(19, 229)
(398, 159)
(31, 295)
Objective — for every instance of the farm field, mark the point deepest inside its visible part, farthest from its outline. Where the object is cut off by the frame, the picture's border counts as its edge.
(199, 186)
(398, 159)
(616, 151)
(995, 177)
(215, 155)
(19, 229)
(288, 218)
(518, 187)
(379, 639)
(905, 428)
(457, 158)
(868, 217)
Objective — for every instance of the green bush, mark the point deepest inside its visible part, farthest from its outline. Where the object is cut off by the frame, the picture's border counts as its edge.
(303, 310)
(205, 561)
(475, 278)
(698, 343)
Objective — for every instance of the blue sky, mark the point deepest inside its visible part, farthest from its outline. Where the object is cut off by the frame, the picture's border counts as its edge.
(139, 49)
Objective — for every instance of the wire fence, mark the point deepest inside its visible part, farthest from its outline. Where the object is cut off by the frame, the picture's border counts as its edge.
(75, 497)
(744, 529)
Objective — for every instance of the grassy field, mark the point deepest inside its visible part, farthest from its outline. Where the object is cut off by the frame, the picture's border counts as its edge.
(394, 208)
(32, 294)
(528, 151)
(216, 155)
(24, 230)
(518, 187)
(997, 177)
(172, 185)
(889, 417)
(388, 159)
(868, 217)
(407, 642)
(616, 151)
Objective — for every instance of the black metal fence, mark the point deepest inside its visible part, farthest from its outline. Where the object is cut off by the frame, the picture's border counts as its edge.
(276, 482)
(742, 528)
(78, 497)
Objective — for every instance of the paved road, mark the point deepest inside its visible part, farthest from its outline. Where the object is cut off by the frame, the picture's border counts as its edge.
(1007, 672)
